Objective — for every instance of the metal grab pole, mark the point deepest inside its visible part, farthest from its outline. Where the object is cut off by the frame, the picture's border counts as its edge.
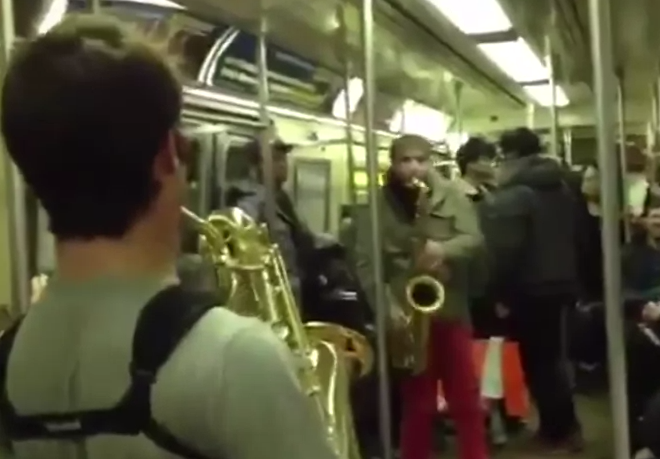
(349, 139)
(352, 191)
(605, 93)
(531, 116)
(656, 112)
(568, 145)
(621, 134)
(550, 64)
(265, 136)
(458, 100)
(374, 214)
(15, 193)
(95, 6)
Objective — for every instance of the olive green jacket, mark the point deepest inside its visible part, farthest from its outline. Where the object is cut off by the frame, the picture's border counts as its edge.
(451, 220)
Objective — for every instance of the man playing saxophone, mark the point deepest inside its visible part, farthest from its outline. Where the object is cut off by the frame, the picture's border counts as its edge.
(436, 235)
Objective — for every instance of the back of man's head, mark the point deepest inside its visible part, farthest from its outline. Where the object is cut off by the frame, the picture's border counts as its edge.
(520, 142)
(86, 109)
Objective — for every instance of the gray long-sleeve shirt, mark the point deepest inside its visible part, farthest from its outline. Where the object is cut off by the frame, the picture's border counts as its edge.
(230, 389)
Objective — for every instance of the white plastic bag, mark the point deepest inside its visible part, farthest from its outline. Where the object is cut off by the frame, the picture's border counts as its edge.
(492, 386)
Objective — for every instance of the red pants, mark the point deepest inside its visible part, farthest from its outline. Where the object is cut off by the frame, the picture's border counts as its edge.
(450, 361)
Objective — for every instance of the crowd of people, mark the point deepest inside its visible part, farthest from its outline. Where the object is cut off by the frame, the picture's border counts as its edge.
(119, 360)
(567, 297)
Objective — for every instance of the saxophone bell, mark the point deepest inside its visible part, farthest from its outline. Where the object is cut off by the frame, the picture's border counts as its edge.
(425, 294)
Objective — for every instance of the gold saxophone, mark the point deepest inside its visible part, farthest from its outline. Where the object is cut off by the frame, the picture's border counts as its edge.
(423, 295)
(250, 269)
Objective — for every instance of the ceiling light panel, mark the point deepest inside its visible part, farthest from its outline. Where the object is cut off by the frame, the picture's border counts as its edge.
(542, 95)
(474, 17)
(158, 3)
(419, 119)
(517, 60)
(54, 14)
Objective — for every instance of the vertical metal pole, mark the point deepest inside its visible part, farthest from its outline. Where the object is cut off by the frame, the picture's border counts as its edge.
(16, 217)
(458, 100)
(374, 210)
(605, 94)
(655, 106)
(568, 145)
(554, 122)
(95, 6)
(222, 142)
(621, 134)
(205, 176)
(352, 191)
(531, 116)
(265, 136)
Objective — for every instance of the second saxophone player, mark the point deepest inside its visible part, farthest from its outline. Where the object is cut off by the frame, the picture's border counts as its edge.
(431, 239)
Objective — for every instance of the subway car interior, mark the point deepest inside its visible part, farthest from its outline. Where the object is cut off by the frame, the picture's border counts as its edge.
(339, 81)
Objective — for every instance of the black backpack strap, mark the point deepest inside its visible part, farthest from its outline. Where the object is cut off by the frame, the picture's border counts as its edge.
(163, 322)
(6, 345)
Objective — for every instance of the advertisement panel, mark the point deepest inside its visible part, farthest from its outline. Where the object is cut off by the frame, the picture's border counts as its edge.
(292, 80)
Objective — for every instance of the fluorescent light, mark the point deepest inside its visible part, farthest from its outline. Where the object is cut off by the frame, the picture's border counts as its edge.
(58, 8)
(474, 17)
(355, 92)
(454, 140)
(56, 11)
(416, 118)
(159, 3)
(516, 59)
(542, 95)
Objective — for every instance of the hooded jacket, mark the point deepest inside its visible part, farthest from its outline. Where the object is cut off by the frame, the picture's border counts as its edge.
(529, 228)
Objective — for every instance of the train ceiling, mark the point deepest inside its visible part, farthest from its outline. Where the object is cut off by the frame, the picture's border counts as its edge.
(419, 53)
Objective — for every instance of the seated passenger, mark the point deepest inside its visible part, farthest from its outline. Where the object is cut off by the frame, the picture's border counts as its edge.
(90, 117)
(648, 446)
(641, 260)
(528, 223)
(641, 283)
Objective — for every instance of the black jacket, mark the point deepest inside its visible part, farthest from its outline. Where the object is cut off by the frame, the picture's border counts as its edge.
(529, 227)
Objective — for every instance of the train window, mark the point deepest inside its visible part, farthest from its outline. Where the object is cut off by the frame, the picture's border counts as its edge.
(237, 166)
(361, 179)
(311, 192)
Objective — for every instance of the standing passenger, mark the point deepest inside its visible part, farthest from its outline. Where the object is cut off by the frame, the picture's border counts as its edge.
(475, 162)
(529, 229)
(289, 232)
(90, 115)
(453, 239)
